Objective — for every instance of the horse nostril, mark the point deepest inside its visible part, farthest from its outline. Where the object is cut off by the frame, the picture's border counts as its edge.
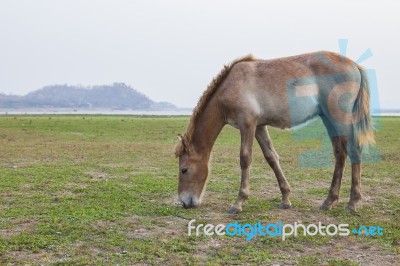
(191, 203)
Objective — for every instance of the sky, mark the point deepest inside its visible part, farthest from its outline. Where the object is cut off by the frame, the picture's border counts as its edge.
(171, 50)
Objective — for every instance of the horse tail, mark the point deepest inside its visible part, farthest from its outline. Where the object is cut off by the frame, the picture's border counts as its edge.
(363, 131)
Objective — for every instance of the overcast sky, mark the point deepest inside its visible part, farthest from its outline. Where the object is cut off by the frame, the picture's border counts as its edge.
(170, 50)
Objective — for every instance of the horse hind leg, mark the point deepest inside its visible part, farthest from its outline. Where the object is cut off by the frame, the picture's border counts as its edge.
(340, 153)
(272, 158)
(355, 192)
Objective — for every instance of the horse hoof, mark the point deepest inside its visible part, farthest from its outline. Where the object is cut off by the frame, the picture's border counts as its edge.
(284, 206)
(350, 209)
(233, 210)
(323, 207)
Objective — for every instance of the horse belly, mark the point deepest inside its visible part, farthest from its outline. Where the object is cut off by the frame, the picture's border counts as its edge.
(302, 110)
(302, 100)
(286, 111)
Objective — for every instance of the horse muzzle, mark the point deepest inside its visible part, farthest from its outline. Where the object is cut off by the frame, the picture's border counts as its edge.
(188, 201)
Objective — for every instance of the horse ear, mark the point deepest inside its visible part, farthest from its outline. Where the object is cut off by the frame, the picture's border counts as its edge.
(184, 142)
(181, 146)
(180, 138)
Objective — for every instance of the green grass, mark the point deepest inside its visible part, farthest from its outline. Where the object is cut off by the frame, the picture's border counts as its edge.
(102, 190)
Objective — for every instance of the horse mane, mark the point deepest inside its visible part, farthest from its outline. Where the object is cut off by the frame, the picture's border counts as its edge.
(186, 139)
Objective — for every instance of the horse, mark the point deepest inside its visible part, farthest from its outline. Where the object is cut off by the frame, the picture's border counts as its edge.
(251, 94)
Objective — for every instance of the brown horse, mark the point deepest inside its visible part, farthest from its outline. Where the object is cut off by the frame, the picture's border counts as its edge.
(250, 94)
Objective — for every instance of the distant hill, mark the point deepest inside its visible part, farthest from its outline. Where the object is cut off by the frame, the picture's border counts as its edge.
(115, 96)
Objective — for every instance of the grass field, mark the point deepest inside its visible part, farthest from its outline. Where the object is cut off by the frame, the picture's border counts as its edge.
(102, 190)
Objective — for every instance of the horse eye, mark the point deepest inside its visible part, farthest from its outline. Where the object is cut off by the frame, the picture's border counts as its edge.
(184, 170)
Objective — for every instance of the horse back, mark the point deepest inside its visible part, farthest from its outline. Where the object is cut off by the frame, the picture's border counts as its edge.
(284, 92)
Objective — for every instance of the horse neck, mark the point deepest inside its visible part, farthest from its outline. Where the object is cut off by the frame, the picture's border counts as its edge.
(207, 129)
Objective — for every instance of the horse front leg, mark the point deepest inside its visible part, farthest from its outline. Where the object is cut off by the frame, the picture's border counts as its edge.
(247, 136)
(272, 158)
